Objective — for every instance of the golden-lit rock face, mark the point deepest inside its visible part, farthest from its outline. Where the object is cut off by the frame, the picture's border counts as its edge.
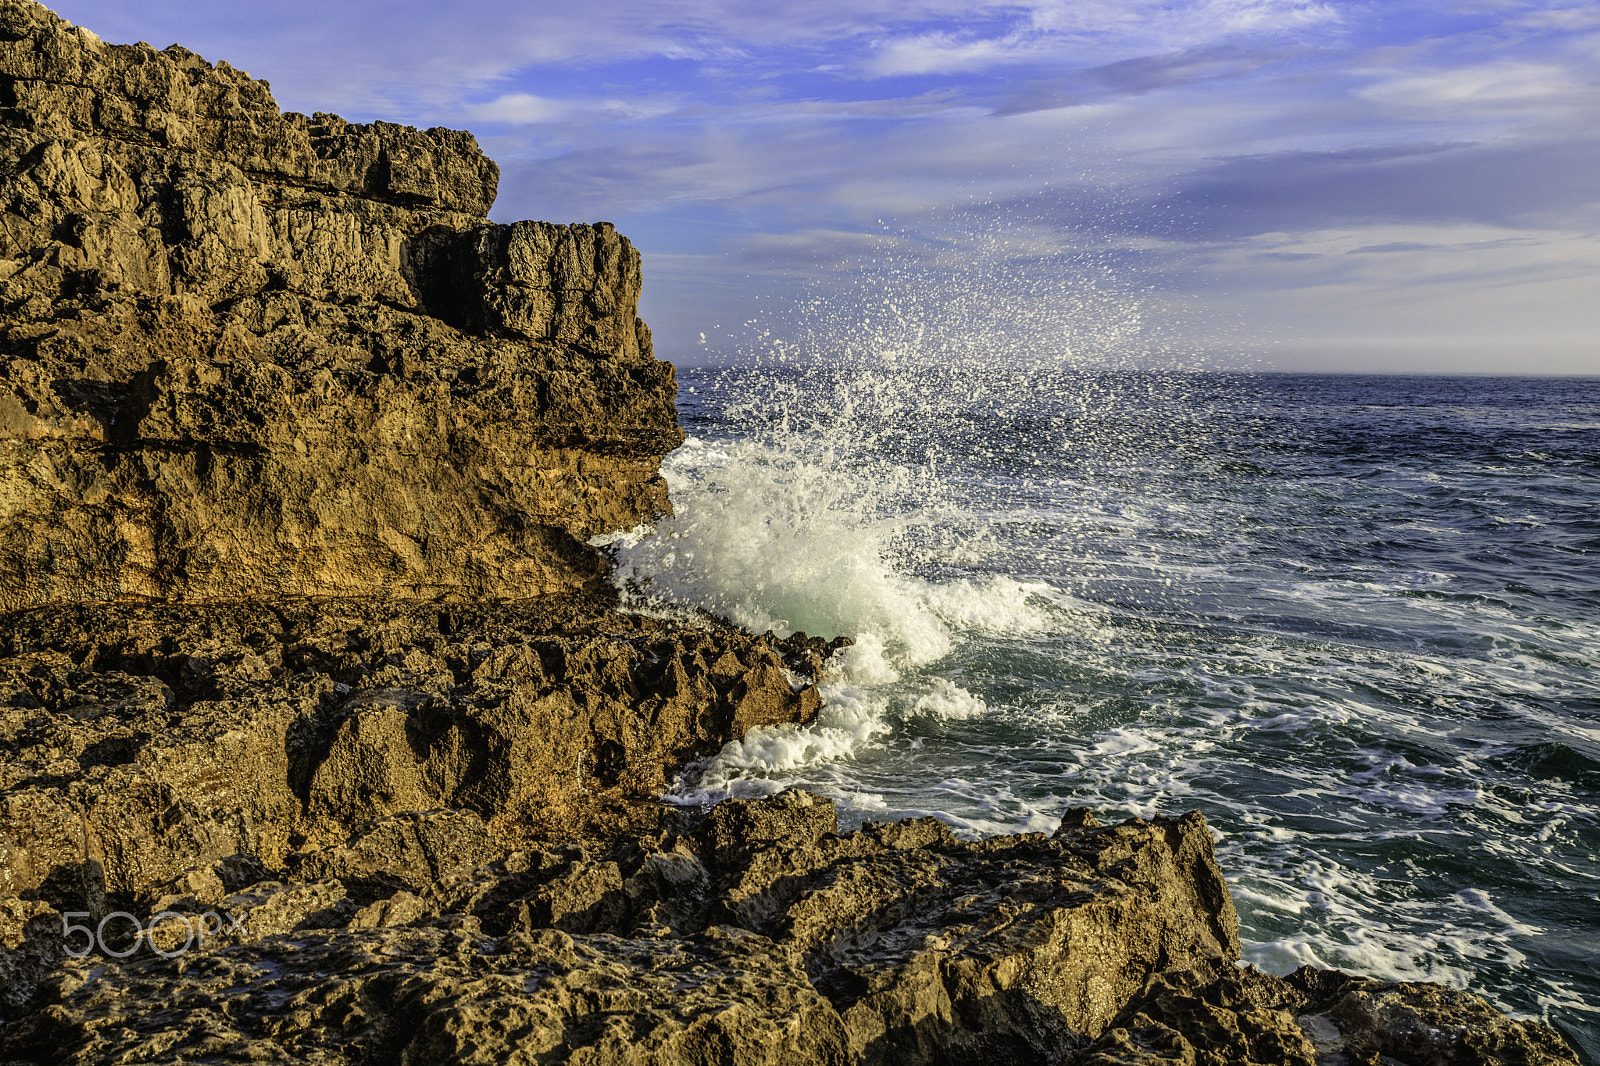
(253, 354)
(144, 738)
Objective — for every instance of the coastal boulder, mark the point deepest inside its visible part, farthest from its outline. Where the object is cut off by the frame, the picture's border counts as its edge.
(1240, 1017)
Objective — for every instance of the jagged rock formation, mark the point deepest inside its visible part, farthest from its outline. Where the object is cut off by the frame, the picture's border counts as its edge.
(761, 932)
(1216, 1013)
(136, 742)
(247, 354)
(759, 936)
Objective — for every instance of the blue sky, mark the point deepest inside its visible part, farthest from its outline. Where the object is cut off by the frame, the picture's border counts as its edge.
(1272, 183)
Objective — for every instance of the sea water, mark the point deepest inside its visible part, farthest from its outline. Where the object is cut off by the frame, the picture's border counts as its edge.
(1353, 620)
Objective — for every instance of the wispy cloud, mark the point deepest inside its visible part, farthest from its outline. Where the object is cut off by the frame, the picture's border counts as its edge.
(526, 109)
(1505, 84)
(946, 53)
(519, 109)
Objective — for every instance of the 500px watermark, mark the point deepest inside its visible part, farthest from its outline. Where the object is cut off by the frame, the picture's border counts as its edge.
(190, 926)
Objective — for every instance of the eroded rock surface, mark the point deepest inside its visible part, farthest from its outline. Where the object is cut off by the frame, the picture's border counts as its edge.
(136, 742)
(1218, 1015)
(247, 354)
(759, 935)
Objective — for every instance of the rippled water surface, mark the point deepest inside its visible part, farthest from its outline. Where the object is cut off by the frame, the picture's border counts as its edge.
(1354, 620)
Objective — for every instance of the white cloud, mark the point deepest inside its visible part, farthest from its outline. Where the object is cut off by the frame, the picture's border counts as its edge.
(1091, 32)
(1154, 24)
(943, 53)
(1564, 19)
(526, 109)
(1419, 297)
(412, 58)
(1502, 84)
(519, 109)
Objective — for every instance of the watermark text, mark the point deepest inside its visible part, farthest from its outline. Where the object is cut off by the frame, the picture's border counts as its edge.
(160, 934)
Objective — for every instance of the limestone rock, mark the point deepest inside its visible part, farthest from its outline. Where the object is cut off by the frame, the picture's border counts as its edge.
(791, 943)
(247, 354)
(736, 827)
(435, 994)
(141, 742)
(212, 882)
(888, 944)
(32, 940)
(413, 850)
(1218, 1015)
(266, 908)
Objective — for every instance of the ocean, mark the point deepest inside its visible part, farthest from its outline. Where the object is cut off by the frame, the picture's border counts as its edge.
(1355, 620)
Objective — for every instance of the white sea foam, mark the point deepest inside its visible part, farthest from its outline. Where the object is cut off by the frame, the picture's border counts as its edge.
(1368, 927)
(1126, 641)
(825, 578)
(807, 526)
(945, 700)
(793, 539)
(627, 538)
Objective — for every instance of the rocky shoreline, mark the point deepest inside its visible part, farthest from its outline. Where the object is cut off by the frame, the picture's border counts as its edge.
(323, 737)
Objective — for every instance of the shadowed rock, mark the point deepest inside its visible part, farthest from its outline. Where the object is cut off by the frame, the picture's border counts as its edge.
(1214, 1015)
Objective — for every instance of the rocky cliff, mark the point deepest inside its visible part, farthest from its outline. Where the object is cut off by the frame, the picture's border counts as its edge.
(321, 737)
(253, 354)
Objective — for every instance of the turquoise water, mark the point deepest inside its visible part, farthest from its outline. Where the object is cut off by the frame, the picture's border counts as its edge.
(1354, 620)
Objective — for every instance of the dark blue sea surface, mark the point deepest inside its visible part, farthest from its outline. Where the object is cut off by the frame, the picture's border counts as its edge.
(1354, 620)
